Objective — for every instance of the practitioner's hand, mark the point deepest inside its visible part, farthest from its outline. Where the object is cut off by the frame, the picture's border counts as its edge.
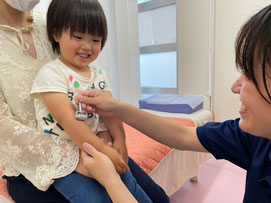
(97, 101)
(98, 165)
(120, 165)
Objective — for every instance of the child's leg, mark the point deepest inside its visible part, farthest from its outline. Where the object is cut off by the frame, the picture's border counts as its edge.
(105, 136)
(154, 191)
(78, 188)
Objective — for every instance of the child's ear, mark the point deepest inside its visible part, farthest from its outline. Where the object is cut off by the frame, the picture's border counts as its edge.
(56, 38)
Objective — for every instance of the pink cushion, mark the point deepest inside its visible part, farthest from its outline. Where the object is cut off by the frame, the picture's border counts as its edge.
(3, 188)
(146, 152)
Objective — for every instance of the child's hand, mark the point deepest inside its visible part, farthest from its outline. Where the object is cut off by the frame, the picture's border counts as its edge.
(120, 165)
(105, 137)
(121, 147)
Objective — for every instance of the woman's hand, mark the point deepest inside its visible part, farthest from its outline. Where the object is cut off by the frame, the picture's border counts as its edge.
(97, 101)
(102, 169)
(81, 168)
(120, 165)
(98, 165)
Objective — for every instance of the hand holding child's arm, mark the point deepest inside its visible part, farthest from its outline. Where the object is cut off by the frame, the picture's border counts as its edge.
(102, 169)
(82, 169)
(120, 165)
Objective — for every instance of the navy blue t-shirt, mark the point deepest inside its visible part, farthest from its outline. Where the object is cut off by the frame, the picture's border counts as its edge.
(227, 141)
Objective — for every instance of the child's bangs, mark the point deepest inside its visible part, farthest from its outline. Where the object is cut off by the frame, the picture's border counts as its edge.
(90, 27)
(87, 20)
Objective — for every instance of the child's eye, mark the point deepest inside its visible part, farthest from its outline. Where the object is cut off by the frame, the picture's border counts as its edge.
(77, 37)
(96, 40)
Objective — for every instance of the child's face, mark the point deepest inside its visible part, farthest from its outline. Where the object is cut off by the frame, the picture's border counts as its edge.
(78, 50)
(255, 112)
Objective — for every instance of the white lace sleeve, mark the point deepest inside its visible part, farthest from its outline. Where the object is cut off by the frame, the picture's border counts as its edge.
(40, 158)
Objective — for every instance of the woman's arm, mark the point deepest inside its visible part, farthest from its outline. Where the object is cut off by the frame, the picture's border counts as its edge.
(60, 106)
(24, 150)
(102, 169)
(161, 129)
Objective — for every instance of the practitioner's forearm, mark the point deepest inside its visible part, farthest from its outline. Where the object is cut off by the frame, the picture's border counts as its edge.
(161, 129)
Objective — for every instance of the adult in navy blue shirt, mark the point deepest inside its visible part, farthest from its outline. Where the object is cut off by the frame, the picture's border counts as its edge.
(244, 141)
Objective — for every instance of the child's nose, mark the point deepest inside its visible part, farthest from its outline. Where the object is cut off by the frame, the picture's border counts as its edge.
(87, 46)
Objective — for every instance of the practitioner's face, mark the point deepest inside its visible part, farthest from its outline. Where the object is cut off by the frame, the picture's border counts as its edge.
(255, 111)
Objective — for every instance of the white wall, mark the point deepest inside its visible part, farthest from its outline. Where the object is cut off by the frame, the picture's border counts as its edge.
(120, 56)
(126, 18)
(193, 24)
(43, 6)
(197, 39)
(229, 17)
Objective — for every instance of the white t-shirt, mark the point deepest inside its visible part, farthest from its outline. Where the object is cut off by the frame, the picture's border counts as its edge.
(55, 76)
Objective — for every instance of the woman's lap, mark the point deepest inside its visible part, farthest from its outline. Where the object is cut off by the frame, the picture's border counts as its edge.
(22, 191)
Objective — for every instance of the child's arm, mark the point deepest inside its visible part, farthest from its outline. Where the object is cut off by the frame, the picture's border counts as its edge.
(116, 130)
(63, 111)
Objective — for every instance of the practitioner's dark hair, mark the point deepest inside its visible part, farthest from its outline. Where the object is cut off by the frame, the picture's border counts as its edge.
(84, 16)
(254, 43)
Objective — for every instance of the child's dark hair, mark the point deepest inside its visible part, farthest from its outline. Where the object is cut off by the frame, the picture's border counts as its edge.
(254, 42)
(84, 16)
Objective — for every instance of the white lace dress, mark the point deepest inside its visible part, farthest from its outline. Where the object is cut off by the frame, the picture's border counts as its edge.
(23, 149)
